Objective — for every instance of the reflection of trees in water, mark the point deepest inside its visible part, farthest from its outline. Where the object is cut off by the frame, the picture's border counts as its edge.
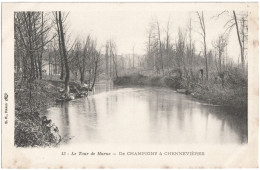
(86, 117)
(235, 119)
(87, 108)
(191, 113)
(166, 110)
(65, 125)
(153, 108)
(168, 114)
(111, 102)
(101, 87)
(222, 130)
(91, 117)
(160, 108)
(66, 114)
(109, 85)
(107, 104)
(160, 114)
(180, 112)
(94, 115)
(202, 111)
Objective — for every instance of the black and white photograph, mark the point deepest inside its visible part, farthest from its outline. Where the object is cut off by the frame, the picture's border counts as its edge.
(131, 74)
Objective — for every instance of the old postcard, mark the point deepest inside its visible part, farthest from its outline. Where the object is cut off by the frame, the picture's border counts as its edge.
(130, 85)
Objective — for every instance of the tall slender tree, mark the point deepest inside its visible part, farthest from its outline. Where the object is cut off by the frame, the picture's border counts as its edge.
(65, 57)
(203, 30)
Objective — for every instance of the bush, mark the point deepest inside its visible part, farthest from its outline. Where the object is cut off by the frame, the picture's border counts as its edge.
(31, 130)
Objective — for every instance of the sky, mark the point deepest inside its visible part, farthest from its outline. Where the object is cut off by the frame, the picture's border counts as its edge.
(128, 26)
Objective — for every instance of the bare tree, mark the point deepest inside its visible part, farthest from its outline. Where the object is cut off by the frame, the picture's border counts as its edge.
(151, 46)
(97, 61)
(190, 45)
(240, 40)
(113, 56)
(241, 24)
(160, 45)
(107, 59)
(81, 57)
(31, 36)
(203, 33)
(60, 46)
(220, 45)
(167, 46)
(64, 52)
(133, 57)
(180, 52)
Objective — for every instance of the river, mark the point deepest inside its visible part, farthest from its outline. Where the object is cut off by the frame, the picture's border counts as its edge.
(145, 115)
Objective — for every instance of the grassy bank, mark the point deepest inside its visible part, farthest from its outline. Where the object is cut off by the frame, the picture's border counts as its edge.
(32, 129)
(207, 91)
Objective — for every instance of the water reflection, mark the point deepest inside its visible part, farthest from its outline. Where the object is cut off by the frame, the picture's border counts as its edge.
(146, 115)
(65, 122)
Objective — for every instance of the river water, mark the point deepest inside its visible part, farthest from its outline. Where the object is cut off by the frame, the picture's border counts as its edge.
(145, 115)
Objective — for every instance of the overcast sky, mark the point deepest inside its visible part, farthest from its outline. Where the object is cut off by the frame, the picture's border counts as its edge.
(128, 26)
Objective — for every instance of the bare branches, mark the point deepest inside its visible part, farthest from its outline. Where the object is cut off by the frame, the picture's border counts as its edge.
(222, 13)
(203, 28)
(201, 20)
(235, 21)
(239, 40)
(32, 35)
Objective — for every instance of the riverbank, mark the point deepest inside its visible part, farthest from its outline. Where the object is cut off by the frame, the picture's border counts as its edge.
(206, 91)
(32, 129)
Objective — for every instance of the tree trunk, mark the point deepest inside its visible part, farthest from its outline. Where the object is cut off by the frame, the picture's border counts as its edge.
(36, 68)
(67, 69)
(40, 56)
(110, 63)
(206, 58)
(115, 64)
(32, 77)
(106, 60)
(160, 43)
(49, 63)
(239, 40)
(60, 48)
(190, 52)
(89, 80)
(203, 28)
(133, 57)
(82, 77)
(95, 75)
